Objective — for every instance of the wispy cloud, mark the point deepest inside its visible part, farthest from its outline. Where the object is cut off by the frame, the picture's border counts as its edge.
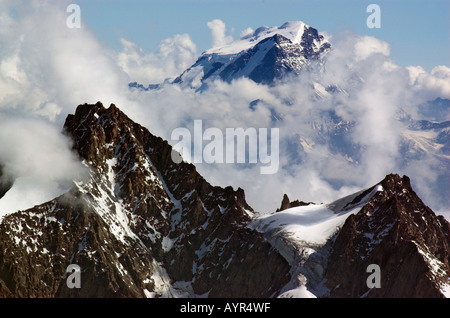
(38, 160)
(174, 55)
(218, 33)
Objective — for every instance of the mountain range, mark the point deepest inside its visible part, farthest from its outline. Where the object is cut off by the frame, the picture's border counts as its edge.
(144, 226)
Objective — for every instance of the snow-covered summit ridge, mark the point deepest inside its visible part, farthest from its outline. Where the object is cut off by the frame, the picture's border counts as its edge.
(293, 31)
(264, 56)
(301, 233)
(314, 224)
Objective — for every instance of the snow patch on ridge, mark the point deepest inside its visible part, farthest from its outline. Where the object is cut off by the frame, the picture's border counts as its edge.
(290, 30)
(300, 234)
(435, 266)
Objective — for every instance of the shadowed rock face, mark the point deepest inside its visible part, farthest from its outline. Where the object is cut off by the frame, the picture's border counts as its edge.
(398, 232)
(62, 232)
(5, 183)
(141, 226)
(287, 204)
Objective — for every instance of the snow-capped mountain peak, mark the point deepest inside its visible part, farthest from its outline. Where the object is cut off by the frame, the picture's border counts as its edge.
(264, 56)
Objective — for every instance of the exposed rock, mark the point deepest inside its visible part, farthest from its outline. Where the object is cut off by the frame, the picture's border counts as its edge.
(287, 204)
(142, 226)
(37, 245)
(5, 182)
(145, 226)
(398, 232)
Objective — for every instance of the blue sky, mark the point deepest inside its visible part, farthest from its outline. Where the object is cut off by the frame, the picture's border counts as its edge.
(418, 31)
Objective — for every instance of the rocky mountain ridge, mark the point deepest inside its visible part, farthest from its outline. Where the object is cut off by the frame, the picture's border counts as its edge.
(144, 226)
(399, 233)
(139, 220)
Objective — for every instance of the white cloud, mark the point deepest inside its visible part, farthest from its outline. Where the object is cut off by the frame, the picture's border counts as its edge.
(38, 158)
(218, 33)
(47, 68)
(429, 86)
(246, 32)
(368, 45)
(174, 55)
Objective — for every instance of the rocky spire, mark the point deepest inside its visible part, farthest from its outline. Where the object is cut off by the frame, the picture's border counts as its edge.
(287, 204)
(398, 232)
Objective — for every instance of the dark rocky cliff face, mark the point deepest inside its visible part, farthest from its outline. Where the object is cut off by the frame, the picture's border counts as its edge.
(141, 226)
(398, 232)
(287, 204)
(37, 245)
(6, 182)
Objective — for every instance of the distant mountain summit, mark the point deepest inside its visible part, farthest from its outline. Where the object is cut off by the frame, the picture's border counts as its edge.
(266, 55)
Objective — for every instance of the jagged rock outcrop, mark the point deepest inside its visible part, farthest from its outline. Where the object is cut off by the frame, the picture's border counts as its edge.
(37, 245)
(5, 182)
(398, 232)
(141, 226)
(287, 204)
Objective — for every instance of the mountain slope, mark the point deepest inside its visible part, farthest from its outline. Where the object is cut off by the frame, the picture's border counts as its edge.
(398, 232)
(330, 246)
(141, 226)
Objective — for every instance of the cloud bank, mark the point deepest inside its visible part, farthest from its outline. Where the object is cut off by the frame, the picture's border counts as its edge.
(47, 69)
(174, 55)
(218, 33)
(39, 162)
